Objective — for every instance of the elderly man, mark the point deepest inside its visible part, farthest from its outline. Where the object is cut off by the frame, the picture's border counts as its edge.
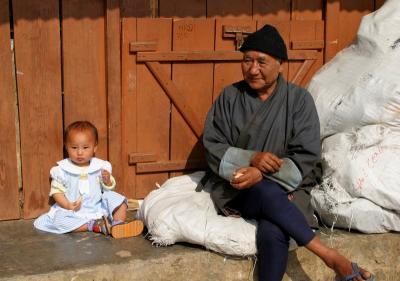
(262, 144)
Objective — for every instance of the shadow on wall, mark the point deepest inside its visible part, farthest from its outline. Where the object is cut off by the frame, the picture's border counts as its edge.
(55, 9)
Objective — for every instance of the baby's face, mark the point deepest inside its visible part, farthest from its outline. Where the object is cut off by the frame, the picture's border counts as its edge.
(81, 147)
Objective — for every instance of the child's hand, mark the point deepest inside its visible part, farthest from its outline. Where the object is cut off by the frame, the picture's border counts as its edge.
(75, 206)
(106, 177)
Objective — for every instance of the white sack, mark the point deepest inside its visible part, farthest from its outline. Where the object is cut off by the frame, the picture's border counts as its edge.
(359, 214)
(360, 187)
(177, 213)
(357, 95)
(361, 85)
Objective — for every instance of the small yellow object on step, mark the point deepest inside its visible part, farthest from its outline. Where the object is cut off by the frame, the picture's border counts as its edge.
(133, 204)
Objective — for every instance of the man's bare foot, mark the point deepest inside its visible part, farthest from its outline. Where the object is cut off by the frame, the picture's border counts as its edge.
(340, 264)
(344, 268)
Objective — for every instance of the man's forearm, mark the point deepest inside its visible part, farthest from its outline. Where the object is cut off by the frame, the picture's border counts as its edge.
(233, 159)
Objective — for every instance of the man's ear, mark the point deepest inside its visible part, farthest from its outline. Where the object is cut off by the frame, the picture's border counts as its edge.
(280, 66)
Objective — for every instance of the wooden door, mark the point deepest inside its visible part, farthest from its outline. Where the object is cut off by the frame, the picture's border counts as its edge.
(9, 199)
(38, 68)
(174, 71)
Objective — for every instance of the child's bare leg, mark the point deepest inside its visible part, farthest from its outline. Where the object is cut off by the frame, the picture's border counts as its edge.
(119, 213)
(333, 259)
(82, 228)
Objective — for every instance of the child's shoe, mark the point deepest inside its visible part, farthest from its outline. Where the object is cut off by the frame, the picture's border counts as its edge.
(99, 226)
(120, 229)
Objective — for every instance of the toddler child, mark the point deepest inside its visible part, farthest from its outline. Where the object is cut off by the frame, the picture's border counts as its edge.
(82, 189)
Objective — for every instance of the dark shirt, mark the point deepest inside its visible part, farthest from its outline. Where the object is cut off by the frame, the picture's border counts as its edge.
(240, 123)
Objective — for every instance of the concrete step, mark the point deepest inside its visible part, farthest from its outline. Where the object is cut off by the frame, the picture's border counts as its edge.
(31, 255)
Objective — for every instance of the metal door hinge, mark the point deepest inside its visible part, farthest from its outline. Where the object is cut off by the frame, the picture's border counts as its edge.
(237, 32)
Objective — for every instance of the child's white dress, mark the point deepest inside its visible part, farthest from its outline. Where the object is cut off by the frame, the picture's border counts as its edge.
(75, 182)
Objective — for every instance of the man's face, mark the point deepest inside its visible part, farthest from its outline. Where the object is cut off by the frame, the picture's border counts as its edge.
(260, 71)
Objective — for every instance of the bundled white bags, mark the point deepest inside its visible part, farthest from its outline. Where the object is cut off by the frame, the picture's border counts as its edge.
(357, 96)
(177, 213)
(361, 188)
(361, 85)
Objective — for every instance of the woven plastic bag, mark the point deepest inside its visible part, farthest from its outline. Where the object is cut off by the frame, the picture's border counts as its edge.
(175, 212)
(360, 86)
(357, 95)
(361, 188)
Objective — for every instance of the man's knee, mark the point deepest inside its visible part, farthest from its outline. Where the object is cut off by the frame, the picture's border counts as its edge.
(266, 190)
(269, 234)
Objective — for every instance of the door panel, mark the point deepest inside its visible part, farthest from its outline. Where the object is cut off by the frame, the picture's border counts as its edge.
(181, 67)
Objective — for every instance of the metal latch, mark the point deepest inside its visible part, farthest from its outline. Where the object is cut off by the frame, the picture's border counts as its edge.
(237, 32)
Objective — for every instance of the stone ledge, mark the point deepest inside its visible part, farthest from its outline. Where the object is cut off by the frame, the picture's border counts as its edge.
(30, 255)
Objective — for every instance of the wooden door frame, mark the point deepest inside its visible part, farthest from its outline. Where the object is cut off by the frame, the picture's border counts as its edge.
(147, 53)
(147, 162)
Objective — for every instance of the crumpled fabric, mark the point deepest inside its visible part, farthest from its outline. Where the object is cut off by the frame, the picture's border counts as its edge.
(177, 213)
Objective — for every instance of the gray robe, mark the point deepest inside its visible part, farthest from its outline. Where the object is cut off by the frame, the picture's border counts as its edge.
(240, 123)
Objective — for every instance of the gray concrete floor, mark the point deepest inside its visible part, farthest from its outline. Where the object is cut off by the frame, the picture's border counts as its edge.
(29, 254)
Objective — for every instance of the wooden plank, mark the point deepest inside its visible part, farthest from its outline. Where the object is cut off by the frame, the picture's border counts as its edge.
(195, 81)
(84, 66)
(306, 31)
(189, 56)
(178, 98)
(319, 36)
(271, 11)
(183, 8)
(173, 165)
(351, 13)
(38, 63)
(141, 157)
(153, 107)
(302, 72)
(238, 9)
(143, 46)
(202, 56)
(332, 18)
(131, 9)
(129, 104)
(307, 9)
(9, 203)
(307, 44)
(114, 99)
(306, 25)
(228, 72)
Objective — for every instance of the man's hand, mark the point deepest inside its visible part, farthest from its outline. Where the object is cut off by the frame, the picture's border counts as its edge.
(246, 177)
(266, 162)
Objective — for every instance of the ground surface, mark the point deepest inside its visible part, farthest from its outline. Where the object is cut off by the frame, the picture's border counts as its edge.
(29, 254)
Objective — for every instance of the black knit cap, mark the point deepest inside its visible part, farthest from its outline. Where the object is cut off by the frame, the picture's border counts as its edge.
(266, 40)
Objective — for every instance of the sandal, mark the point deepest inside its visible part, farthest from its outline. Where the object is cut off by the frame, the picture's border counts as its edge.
(100, 226)
(120, 229)
(356, 273)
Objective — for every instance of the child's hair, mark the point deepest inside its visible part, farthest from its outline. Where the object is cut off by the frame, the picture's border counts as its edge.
(81, 126)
